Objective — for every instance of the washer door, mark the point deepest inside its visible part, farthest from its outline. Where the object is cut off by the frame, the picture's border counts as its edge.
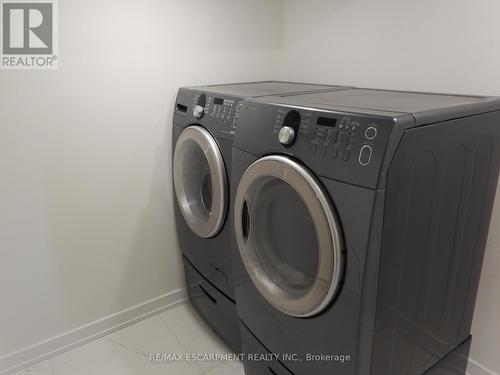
(288, 236)
(200, 181)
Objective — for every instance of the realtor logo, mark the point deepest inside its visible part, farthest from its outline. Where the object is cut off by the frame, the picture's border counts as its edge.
(29, 39)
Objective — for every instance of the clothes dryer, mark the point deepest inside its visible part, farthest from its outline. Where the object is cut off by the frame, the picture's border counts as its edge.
(360, 224)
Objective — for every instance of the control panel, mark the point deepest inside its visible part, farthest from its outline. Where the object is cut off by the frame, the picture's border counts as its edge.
(218, 113)
(342, 138)
(335, 144)
(221, 113)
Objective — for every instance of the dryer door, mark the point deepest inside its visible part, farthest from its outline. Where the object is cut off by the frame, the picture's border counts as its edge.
(289, 236)
(200, 181)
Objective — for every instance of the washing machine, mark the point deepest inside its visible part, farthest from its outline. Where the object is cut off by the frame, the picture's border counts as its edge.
(360, 224)
(205, 121)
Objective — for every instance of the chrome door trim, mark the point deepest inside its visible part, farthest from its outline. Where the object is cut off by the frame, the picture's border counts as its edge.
(328, 232)
(210, 227)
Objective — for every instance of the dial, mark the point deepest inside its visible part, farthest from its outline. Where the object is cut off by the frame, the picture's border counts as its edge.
(286, 135)
(290, 129)
(199, 108)
(198, 111)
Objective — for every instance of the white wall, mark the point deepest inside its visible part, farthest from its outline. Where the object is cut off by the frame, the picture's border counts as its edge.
(86, 225)
(438, 45)
(441, 46)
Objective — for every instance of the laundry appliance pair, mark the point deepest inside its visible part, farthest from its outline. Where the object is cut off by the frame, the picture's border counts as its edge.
(205, 122)
(357, 218)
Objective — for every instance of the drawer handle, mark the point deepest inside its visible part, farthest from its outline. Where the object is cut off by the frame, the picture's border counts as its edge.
(272, 371)
(210, 297)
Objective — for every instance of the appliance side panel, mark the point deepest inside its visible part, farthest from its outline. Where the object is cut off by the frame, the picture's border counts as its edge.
(440, 192)
(370, 282)
(454, 363)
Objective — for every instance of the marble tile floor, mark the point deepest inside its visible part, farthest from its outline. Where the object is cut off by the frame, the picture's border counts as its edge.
(127, 352)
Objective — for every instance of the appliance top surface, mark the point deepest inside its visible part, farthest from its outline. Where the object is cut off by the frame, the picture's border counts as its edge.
(425, 107)
(265, 88)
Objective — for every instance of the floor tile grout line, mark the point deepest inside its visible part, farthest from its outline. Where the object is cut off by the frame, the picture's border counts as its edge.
(172, 333)
(203, 371)
(177, 339)
(52, 366)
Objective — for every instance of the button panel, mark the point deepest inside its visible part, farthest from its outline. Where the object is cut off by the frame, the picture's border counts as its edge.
(221, 112)
(337, 142)
(329, 142)
(346, 139)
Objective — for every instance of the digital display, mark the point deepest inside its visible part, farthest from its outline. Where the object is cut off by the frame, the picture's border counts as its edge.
(218, 101)
(326, 121)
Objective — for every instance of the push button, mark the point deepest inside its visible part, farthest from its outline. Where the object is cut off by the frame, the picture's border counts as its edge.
(235, 120)
(346, 155)
(324, 150)
(365, 155)
(371, 132)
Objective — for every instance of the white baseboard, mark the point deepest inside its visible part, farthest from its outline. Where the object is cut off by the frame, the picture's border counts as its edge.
(475, 368)
(59, 344)
(81, 335)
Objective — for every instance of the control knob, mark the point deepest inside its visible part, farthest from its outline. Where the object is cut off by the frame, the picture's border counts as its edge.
(198, 111)
(286, 135)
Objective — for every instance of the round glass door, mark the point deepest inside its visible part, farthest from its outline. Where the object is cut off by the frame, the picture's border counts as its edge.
(200, 181)
(288, 236)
